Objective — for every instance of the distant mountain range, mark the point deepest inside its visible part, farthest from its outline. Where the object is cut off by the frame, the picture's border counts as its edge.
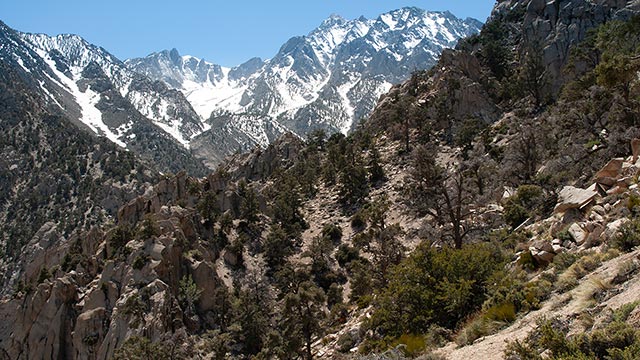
(174, 109)
(97, 92)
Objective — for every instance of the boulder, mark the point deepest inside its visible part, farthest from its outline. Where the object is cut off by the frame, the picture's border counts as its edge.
(625, 181)
(606, 181)
(543, 245)
(557, 249)
(541, 256)
(578, 234)
(595, 217)
(570, 216)
(598, 209)
(89, 332)
(635, 149)
(230, 258)
(206, 278)
(611, 170)
(613, 228)
(508, 192)
(95, 299)
(574, 198)
(593, 238)
(618, 189)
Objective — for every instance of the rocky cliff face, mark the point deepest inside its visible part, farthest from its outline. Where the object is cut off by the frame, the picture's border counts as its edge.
(464, 85)
(87, 312)
(56, 179)
(558, 26)
(107, 284)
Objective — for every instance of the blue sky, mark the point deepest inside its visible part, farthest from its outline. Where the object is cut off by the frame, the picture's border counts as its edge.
(223, 32)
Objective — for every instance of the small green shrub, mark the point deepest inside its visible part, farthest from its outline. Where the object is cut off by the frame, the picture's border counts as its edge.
(148, 228)
(616, 340)
(195, 254)
(527, 202)
(358, 221)
(412, 345)
(140, 261)
(22, 288)
(588, 263)
(625, 271)
(120, 236)
(633, 202)
(332, 232)
(346, 342)
(141, 348)
(477, 328)
(437, 336)
(514, 214)
(564, 235)
(90, 340)
(346, 254)
(566, 281)
(629, 236)
(591, 143)
(504, 312)
(622, 313)
(334, 295)
(511, 292)
(563, 260)
(581, 267)
(44, 275)
(339, 313)
(520, 350)
(527, 261)
(188, 293)
(364, 301)
(135, 308)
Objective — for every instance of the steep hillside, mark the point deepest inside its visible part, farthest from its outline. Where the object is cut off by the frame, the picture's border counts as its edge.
(484, 200)
(56, 180)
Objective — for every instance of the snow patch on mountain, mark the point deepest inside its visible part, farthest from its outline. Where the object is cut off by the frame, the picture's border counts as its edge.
(165, 110)
(87, 100)
(343, 90)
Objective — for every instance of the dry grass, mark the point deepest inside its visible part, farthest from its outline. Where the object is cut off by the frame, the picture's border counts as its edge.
(477, 328)
(593, 292)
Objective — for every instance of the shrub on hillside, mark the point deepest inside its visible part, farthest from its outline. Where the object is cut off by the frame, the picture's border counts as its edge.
(629, 236)
(527, 202)
(616, 340)
(434, 286)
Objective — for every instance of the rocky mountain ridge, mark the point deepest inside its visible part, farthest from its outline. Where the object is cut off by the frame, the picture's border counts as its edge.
(329, 79)
(99, 94)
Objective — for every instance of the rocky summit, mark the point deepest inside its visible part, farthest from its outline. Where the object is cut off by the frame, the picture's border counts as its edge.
(328, 79)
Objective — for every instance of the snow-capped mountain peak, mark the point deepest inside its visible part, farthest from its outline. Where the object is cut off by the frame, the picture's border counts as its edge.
(97, 92)
(328, 78)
